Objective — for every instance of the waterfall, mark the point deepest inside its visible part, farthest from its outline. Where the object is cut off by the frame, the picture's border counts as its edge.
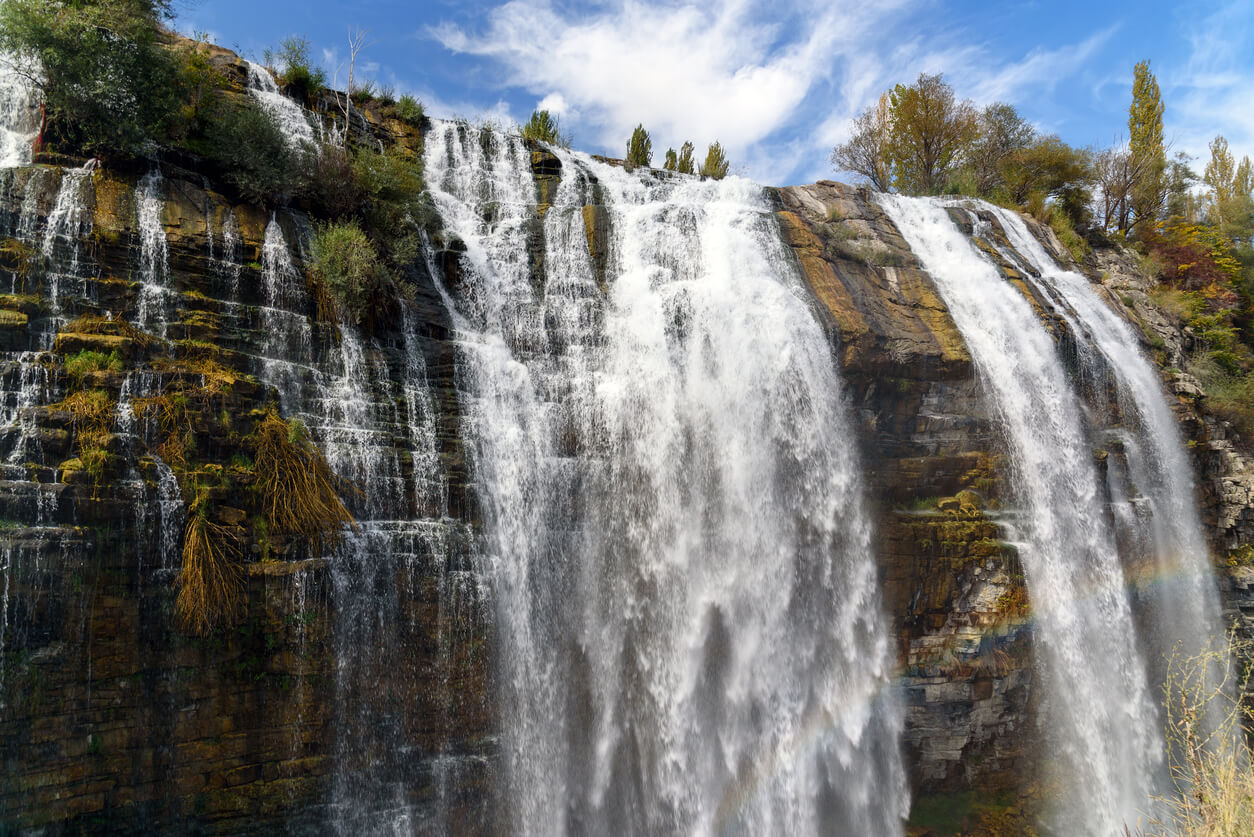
(69, 222)
(1102, 721)
(1174, 580)
(690, 638)
(154, 254)
(291, 118)
(19, 115)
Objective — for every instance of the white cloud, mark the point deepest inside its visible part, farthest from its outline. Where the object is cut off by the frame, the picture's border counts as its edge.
(776, 84)
(1212, 92)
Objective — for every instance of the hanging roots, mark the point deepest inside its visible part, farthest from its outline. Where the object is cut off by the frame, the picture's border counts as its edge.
(296, 487)
(210, 583)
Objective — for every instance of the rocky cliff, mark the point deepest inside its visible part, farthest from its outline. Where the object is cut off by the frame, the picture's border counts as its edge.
(154, 326)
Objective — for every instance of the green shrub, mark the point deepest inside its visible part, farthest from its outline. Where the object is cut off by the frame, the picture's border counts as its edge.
(346, 265)
(543, 127)
(243, 141)
(715, 165)
(409, 110)
(78, 365)
(672, 160)
(106, 84)
(294, 70)
(639, 149)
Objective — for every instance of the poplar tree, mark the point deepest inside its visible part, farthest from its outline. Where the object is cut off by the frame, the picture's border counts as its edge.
(1145, 145)
(672, 161)
(715, 165)
(639, 148)
(686, 165)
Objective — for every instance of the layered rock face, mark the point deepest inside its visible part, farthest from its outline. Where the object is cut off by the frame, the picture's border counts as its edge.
(163, 323)
(356, 685)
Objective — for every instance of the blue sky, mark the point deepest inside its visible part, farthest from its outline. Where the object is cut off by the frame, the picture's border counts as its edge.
(775, 82)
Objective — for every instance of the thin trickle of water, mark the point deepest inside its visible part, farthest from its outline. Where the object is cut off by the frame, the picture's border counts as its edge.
(1102, 722)
(28, 215)
(68, 223)
(291, 118)
(229, 263)
(154, 253)
(685, 594)
(24, 384)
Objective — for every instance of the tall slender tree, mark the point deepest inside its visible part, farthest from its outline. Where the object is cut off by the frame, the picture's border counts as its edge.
(685, 164)
(1145, 144)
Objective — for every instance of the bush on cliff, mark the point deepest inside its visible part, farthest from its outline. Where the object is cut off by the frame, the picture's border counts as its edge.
(106, 84)
(244, 143)
(345, 266)
(543, 127)
(294, 70)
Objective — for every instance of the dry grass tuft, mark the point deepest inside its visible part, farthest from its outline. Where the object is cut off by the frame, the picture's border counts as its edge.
(95, 324)
(210, 585)
(296, 488)
(1208, 726)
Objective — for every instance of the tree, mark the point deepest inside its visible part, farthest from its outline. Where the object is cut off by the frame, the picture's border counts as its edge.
(1145, 144)
(1230, 205)
(1181, 204)
(931, 132)
(672, 160)
(685, 164)
(1049, 167)
(866, 153)
(715, 165)
(543, 127)
(1003, 133)
(356, 43)
(639, 148)
(105, 83)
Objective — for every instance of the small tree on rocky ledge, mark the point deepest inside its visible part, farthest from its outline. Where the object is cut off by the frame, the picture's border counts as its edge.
(543, 127)
(639, 149)
(715, 165)
(685, 164)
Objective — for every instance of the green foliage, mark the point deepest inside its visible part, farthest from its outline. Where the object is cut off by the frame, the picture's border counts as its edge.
(295, 72)
(639, 149)
(106, 84)
(1003, 134)
(543, 127)
(672, 160)
(1145, 145)
(202, 82)
(251, 152)
(78, 365)
(685, 163)
(345, 263)
(930, 133)
(715, 165)
(409, 110)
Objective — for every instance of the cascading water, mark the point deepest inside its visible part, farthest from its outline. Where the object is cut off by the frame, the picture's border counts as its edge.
(19, 115)
(154, 254)
(291, 119)
(1102, 721)
(690, 638)
(1173, 579)
(68, 223)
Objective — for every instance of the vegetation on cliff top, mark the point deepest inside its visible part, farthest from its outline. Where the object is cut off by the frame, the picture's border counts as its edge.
(1195, 234)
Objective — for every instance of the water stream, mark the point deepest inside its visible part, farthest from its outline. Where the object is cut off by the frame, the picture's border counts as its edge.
(686, 597)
